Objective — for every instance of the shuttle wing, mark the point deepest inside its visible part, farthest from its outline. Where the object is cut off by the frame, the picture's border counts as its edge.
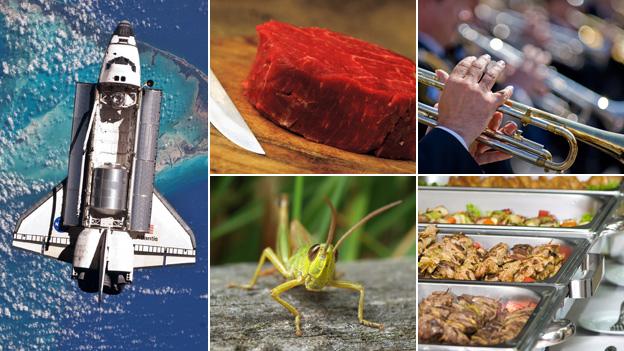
(169, 242)
(39, 230)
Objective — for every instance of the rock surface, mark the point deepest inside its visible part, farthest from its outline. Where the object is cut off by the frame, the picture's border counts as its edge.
(252, 320)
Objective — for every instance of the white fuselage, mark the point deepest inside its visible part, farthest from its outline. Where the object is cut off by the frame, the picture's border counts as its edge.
(105, 241)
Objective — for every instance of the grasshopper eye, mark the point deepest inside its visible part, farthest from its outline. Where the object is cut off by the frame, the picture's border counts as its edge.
(313, 252)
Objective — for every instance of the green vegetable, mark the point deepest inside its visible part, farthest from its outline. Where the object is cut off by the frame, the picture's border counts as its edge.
(609, 186)
(473, 210)
(433, 215)
(587, 217)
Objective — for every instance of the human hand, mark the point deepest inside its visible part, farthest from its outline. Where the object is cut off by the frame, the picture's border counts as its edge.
(530, 75)
(467, 103)
(537, 28)
(484, 154)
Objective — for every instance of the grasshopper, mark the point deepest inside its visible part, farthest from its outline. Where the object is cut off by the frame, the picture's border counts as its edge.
(312, 266)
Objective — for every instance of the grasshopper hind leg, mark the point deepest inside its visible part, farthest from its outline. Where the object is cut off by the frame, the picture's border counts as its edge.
(269, 254)
(343, 284)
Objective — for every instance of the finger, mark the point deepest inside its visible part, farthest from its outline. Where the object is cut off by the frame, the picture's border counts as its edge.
(441, 75)
(462, 67)
(509, 128)
(528, 50)
(503, 95)
(547, 57)
(528, 66)
(475, 72)
(482, 148)
(492, 156)
(496, 121)
(491, 75)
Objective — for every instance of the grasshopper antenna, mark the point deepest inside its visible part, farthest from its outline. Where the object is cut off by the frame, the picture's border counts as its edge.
(364, 220)
(332, 225)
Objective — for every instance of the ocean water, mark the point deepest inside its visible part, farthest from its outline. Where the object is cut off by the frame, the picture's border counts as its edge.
(45, 47)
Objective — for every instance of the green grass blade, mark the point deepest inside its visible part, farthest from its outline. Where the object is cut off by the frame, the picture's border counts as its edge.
(297, 198)
(359, 208)
(283, 248)
(249, 214)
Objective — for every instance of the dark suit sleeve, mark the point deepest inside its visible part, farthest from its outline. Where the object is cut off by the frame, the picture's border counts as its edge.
(441, 152)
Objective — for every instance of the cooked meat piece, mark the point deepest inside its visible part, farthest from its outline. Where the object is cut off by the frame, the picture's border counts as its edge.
(453, 336)
(464, 272)
(426, 237)
(430, 328)
(445, 270)
(427, 265)
(463, 319)
(521, 250)
(498, 251)
(488, 335)
(514, 322)
(495, 258)
(437, 311)
(439, 298)
(486, 267)
(454, 247)
(509, 270)
(485, 307)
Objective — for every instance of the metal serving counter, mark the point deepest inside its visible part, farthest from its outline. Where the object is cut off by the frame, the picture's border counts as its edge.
(576, 284)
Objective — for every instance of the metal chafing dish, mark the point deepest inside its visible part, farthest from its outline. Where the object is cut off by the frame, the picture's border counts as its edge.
(562, 204)
(442, 181)
(539, 331)
(579, 275)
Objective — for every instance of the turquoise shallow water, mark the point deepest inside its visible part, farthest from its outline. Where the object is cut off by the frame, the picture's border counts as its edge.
(42, 54)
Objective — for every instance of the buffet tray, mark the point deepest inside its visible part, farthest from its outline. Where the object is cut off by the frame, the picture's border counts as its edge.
(580, 274)
(548, 298)
(562, 204)
(433, 182)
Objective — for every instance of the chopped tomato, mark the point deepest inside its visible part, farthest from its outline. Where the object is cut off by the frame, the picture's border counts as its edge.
(488, 221)
(569, 223)
(512, 306)
(451, 220)
(476, 245)
(543, 213)
(528, 280)
(566, 251)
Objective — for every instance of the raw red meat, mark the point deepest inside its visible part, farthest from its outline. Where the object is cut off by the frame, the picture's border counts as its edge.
(335, 90)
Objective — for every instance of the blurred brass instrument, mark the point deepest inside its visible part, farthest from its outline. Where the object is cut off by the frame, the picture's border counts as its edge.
(564, 44)
(525, 149)
(592, 31)
(610, 112)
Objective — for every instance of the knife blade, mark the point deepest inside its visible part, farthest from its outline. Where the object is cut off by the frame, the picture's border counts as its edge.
(225, 117)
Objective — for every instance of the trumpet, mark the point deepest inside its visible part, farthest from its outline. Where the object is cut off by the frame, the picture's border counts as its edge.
(526, 149)
(564, 46)
(610, 112)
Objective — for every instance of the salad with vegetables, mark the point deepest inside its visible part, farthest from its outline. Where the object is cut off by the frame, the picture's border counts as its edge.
(473, 215)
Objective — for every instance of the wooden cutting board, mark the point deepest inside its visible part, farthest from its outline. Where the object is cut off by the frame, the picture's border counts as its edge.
(286, 152)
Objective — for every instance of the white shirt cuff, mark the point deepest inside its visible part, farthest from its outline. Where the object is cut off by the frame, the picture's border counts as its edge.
(457, 136)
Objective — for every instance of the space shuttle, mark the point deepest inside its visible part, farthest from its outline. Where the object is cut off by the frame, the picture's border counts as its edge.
(106, 218)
